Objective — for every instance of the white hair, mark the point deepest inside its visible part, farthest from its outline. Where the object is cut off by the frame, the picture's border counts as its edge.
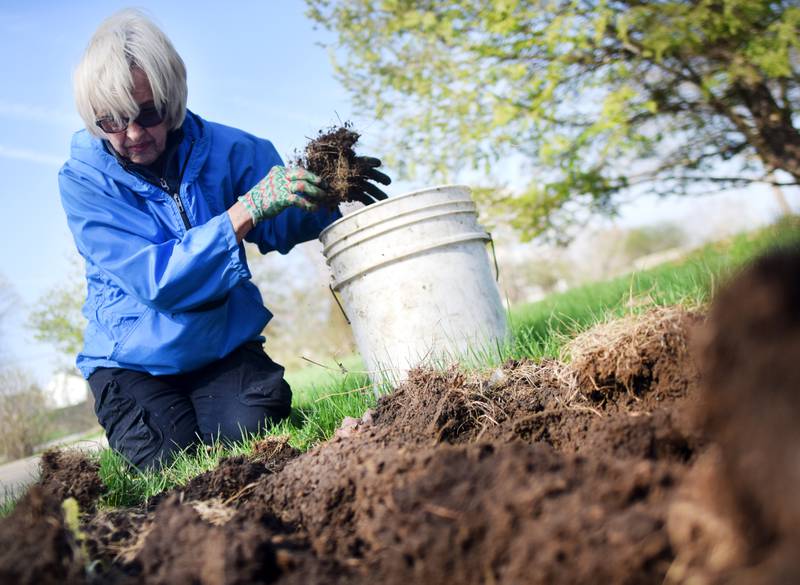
(103, 81)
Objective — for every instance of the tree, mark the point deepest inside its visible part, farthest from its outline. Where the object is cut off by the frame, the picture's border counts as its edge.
(58, 319)
(23, 414)
(8, 301)
(602, 98)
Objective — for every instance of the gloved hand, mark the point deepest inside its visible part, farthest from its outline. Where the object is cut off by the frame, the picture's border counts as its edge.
(283, 187)
(363, 190)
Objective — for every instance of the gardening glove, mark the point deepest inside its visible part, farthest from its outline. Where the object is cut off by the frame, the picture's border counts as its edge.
(283, 187)
(363, 190)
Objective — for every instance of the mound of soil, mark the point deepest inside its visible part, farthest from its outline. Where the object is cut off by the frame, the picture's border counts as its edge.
(36, 546)
(331, 156)
(235, 474)
(69, 474)
(623, 465)
(182, 547)
(638, 357)
(751, 404)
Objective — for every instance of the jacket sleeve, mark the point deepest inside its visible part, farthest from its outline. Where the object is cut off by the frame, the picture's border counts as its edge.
(290, 227)
(124, 241)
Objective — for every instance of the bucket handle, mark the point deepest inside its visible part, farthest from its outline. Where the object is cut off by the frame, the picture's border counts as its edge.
(341, 308)
(494, 257)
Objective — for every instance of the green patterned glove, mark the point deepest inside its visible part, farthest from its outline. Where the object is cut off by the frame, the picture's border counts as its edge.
(283, 187)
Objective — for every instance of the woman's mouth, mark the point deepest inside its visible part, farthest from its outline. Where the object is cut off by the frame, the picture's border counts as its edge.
(139, 147)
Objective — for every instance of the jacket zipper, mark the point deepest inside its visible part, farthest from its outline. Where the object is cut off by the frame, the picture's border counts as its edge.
(177, 199)
(176, 196)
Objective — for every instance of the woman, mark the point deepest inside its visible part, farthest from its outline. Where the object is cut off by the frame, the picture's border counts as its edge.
(159, 201)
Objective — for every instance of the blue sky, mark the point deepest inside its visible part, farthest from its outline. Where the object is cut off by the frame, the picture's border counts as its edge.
(254, 65)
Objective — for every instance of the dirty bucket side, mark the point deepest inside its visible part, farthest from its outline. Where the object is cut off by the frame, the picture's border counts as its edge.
(416, 281)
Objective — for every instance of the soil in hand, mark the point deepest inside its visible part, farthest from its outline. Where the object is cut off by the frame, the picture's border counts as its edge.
(331, 156)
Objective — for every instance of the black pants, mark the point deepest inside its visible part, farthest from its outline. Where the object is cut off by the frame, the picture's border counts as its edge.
(149, 418)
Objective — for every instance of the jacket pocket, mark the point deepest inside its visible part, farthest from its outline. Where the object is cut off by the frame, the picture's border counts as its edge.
(122, 327)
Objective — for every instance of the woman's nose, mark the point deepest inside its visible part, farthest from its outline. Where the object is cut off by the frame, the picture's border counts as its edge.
(134, 131)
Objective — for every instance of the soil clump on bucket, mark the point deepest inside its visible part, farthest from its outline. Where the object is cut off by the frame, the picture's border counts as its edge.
(657, 450)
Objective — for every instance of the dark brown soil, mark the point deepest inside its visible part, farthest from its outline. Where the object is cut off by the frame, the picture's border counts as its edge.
(36, 547)
(620, 465)
(749, 489)
(69, 474)
(235, 475)
(331, 156)
(182, 547)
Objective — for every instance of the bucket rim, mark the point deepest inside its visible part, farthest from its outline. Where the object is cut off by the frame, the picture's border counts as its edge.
(391, 199)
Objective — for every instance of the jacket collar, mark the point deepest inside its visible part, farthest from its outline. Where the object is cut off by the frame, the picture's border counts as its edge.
(91, 151)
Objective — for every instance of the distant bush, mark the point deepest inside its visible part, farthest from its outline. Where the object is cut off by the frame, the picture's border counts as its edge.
(23, 415)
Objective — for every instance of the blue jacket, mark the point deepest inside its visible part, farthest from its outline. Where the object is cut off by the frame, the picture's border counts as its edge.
(161, 298)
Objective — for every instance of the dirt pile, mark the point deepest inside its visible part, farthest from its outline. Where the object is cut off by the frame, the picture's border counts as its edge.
(36, 545)
(182, 547)
(743, 498)
(70, 474)
(622, 465)
(234, 475)
(626, 391)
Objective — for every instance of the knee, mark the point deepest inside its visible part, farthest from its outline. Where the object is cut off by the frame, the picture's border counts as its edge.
(250, 420)
(144, 440)
(257, 408)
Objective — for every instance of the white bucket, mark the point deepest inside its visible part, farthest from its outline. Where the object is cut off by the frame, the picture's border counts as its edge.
(415, 281)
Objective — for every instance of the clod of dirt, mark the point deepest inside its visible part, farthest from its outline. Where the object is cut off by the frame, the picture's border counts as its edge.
(114, 537)
(69, 474)
(36, 546)
(638, 357)
(183, 548)
(232, 475)
(751, 408)
(332, 157)
(274, 452)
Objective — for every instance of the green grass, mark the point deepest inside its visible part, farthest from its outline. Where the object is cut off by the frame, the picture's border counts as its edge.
(541, 328)
(324, 395)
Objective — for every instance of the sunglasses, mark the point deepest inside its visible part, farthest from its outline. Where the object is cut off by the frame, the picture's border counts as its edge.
(148, 116)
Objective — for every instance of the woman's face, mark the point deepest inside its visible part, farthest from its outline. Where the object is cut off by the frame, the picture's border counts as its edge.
(140, 145)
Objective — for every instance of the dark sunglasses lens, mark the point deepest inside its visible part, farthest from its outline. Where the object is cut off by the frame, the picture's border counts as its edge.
(111, 126)
(149, 117)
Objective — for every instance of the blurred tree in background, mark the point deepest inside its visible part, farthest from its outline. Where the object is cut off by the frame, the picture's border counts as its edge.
(24, 423)
(602, 98)
(58, 319)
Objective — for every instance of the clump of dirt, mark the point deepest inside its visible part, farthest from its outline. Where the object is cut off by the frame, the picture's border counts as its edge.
(181, 547)
(70, 474)
(750, 406)
(559, 403)
(640, 357)
(274, 452)
(235, 475)
(36, 546)
(331, 156)
(113, 537)
(231, 475)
